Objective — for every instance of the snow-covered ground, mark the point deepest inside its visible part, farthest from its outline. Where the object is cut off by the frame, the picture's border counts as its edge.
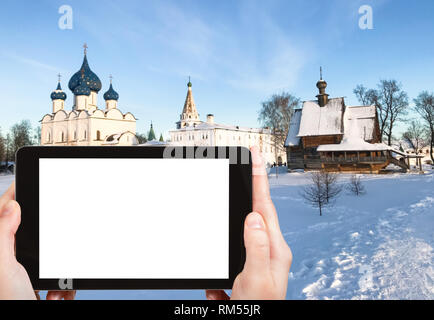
(376, 246)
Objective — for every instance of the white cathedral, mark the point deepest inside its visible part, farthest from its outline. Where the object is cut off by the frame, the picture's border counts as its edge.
(191, 131)
(86, 124)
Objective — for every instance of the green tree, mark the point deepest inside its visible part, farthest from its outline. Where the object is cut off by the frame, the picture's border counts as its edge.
(151, 134)
(161, 138)
(141, 137)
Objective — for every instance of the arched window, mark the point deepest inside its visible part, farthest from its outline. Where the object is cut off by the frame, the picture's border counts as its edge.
(63, 137)
(48, 137)
(85, 134)
(75, 135)
(98, 135)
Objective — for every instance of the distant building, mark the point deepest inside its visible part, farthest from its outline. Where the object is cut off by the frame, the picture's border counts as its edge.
(327, 134)
(424, 154)
(191, 131)
(86, 124)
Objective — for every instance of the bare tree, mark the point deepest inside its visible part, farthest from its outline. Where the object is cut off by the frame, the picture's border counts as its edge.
(391, 103)
(314, 194)
(276, 114)
(355, 185)
(415, 138)
(322, 191)
(37, 135)
(2, 149)
(331, 188)
(366, 96)
(20, 136)
(424, 106)
(9, 155)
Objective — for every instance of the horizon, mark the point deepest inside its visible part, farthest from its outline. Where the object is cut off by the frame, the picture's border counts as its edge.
(237, 54)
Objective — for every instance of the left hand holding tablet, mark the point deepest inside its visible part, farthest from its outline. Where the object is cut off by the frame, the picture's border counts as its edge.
(14, 280)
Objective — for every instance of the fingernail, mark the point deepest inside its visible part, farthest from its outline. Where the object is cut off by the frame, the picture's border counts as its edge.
(7, 209)
(254, 221)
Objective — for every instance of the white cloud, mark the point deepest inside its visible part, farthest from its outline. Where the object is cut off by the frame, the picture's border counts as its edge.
(31, 62)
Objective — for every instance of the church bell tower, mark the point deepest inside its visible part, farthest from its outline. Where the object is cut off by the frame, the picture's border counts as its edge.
(189, 116)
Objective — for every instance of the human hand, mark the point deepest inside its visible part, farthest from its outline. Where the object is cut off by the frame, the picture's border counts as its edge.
(14, 280)
(268, 257)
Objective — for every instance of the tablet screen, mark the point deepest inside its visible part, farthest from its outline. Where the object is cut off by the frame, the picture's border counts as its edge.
(133, 218)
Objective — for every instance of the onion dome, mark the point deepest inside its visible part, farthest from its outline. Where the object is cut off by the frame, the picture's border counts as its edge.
(111, 94)
(58, 94)
(321, 84)
(82, 89)
(90, 78)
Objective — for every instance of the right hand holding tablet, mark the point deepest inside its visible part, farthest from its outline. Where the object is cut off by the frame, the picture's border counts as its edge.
(268, 257)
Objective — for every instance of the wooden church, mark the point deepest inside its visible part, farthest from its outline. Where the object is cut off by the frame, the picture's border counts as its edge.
(327, 134)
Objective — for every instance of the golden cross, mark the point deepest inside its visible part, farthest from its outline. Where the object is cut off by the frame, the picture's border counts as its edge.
(59, 76)
(85, 48)
(111, 78)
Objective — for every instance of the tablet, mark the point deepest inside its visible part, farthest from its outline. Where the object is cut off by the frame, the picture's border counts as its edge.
(132, 217)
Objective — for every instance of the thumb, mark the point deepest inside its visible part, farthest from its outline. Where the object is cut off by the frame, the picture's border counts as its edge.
(257, 245)
(10, 217)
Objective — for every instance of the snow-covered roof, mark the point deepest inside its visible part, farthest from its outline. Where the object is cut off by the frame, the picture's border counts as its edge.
(318, 121)
(354, 145)
(361, 117)
(294, 126)
(358, 124)
(154, 143)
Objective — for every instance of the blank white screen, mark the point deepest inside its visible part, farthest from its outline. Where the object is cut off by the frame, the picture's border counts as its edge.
(134, 218)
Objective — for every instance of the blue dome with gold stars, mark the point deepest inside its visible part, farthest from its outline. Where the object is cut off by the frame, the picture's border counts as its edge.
(111, 94)
(58, 94)
(82, 89)
(90, 79)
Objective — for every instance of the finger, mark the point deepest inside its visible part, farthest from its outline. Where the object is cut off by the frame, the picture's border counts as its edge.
(10, 217)
(70, 295)
(262, 200)
(59, 295)
(261, 190)
(8, 195)
(54, 295)
(257, 245)
(216, 295)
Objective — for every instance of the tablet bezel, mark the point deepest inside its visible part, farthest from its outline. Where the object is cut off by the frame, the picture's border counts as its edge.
(27, 195)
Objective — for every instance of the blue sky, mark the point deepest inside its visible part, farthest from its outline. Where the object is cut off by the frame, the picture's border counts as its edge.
(238, 53)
